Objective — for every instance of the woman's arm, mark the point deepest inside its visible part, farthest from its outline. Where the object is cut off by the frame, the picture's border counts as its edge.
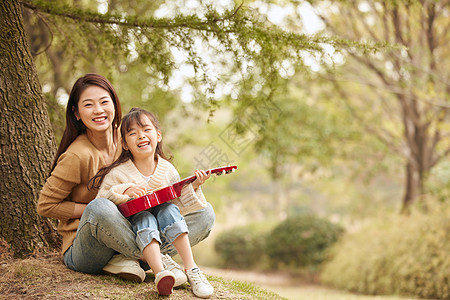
(53, 200)
(78, 211)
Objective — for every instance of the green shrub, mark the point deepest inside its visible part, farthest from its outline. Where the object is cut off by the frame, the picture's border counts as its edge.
(397, 255)
(241, 247)
(301, 241)
(438, 183)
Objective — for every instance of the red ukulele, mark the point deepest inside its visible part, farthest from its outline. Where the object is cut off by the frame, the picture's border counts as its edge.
(165, 194)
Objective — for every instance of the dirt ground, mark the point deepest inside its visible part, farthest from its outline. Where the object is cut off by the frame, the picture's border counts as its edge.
(278, 279)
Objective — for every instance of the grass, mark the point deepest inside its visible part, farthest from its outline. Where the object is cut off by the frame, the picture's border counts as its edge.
(46, 277)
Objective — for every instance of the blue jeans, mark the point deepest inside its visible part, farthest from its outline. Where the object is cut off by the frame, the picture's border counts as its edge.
(103, 231)
(164, 218)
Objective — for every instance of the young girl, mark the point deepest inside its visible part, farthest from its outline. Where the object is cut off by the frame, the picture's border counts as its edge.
(143, 167)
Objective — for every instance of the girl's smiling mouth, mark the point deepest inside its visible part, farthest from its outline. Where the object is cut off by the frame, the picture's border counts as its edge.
(143, 144)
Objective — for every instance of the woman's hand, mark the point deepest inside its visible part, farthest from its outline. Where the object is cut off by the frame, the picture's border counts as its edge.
(79, 209)
(135, 191)
(202, 176)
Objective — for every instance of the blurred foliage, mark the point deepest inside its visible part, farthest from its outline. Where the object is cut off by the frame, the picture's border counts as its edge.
(242, 247)
(297, 127)
(137, 89)
(210, 42)
(438, 183)
(297, 244)
(57, 115)
(301, 241)
(396, 255)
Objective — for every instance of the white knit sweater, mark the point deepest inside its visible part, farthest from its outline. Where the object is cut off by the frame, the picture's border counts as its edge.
(127, 175)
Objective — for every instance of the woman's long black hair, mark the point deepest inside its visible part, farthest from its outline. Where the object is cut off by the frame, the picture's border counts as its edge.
(131, 118)
(75, 127)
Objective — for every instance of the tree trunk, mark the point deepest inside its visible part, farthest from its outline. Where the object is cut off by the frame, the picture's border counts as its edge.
(413, 187)
(27, 143)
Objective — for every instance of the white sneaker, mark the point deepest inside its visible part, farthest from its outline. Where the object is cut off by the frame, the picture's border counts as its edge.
(124, 267)
(200, 285)
(164, 281)
(171, 265)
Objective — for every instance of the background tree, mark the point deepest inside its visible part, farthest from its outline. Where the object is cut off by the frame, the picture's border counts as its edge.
(26, 142)
(401, 96)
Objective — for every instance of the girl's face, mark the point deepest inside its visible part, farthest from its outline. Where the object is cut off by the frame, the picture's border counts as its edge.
(142, 140)
(95, 109)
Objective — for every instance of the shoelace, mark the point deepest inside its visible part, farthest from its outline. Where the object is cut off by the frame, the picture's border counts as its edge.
(197, 276)
(170, 264)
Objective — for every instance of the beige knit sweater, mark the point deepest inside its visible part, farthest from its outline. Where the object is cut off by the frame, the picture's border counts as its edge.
(127, 175)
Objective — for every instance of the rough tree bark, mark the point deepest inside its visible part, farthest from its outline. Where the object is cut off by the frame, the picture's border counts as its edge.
(27, 143)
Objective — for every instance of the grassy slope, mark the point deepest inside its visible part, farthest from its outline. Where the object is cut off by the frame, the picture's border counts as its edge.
(46, 277)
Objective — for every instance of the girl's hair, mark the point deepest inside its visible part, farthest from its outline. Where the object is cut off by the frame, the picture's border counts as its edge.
(131, 118)
(75, 127)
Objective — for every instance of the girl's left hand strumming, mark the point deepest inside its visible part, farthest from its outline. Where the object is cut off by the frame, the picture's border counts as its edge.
(202, 176)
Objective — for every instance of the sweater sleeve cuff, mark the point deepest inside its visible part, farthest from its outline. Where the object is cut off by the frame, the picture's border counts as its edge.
(115, 194)
(189, 197)
(121, 188)
(66, 209)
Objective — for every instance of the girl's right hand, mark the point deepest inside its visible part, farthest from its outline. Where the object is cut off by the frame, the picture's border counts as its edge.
(135, 191)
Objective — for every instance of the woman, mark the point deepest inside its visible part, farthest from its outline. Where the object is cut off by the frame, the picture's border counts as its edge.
(95, 235)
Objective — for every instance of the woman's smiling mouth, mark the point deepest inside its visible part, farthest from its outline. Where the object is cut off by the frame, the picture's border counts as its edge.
(100, 119)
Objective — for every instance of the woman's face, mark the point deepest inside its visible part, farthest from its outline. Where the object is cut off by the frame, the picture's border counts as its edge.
(95, 109)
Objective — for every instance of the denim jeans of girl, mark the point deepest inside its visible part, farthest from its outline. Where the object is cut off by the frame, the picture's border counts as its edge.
(103, 231)
(162, 220)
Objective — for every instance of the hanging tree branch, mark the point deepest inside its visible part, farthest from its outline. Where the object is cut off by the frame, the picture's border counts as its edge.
(66, 11)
